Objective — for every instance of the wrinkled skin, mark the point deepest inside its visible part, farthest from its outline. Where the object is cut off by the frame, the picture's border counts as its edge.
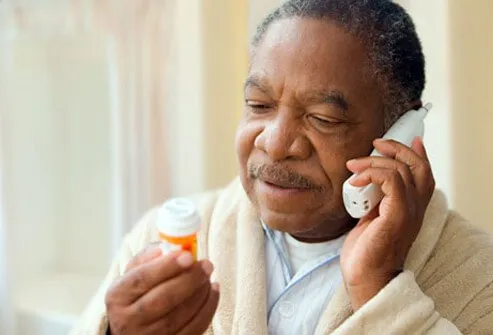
(302, 77)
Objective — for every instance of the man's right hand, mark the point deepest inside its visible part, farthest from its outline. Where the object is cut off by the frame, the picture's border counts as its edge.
(162, 294)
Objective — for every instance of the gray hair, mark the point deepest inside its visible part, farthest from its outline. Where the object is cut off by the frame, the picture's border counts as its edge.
(388, 34)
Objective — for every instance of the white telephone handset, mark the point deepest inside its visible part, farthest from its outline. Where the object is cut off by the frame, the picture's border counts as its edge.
(359, 201)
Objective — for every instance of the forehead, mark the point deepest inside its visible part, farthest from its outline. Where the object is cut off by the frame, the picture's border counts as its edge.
(300, 53)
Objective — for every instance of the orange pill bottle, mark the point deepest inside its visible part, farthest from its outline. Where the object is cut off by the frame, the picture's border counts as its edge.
(178, 223)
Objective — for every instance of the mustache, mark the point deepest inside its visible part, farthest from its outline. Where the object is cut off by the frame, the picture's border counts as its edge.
(283, 176)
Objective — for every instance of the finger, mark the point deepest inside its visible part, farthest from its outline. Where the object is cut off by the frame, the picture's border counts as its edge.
(429, 186)
(202, 320)
(172, 322)
(399, 151)
(419, 148)
(393, 187)
(361, 164)
(170, 294)
(143, 278)
(151, 252)
(419, 165)
(389, 180)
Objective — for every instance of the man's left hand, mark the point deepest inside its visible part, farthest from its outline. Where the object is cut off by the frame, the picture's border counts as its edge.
(376, 249)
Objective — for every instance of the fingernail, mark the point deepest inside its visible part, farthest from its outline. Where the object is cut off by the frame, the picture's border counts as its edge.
(185, 259)
(353, 178)
(207, 267)
(351, 161)
(157, 251)
(215, 286)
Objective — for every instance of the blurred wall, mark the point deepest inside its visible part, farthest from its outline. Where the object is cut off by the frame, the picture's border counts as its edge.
(225, 62)
(57, 161)
(207, 67)
(432, 25)
(457, 42)
(471, 38)
(185, 100)
(30, 167)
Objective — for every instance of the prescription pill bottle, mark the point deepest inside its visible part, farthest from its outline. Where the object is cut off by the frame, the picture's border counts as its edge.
(178, 223)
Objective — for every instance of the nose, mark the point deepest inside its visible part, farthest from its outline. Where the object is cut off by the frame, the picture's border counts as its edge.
(282, 138)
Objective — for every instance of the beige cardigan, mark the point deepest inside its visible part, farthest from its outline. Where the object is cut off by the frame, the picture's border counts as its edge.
(446, 287)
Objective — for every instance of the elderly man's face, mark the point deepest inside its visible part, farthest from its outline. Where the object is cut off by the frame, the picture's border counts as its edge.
(311, 105)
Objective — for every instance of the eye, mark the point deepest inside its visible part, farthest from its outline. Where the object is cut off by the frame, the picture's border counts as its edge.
(324, 121)
(325, 124)
(257, 107)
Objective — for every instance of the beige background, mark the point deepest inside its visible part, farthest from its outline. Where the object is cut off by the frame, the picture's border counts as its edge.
(471, 36)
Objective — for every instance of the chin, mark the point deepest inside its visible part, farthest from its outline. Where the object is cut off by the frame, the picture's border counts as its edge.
(312, 227)
(301, 218)
(292, 223)
(294, 211)
(294, 215)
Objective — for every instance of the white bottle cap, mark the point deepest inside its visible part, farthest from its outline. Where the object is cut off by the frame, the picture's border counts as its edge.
(178, 218)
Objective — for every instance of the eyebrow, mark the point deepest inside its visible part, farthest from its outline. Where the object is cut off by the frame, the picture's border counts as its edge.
(330, 97)
(255, 81)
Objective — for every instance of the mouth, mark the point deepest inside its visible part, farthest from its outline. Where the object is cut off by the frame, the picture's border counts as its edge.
(280, 190)
(279, 186)
(283, 185)
(275, 181)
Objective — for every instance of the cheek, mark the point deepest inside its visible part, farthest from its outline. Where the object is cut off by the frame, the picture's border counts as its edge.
(333, 154)
(333, 162)
(245, 143)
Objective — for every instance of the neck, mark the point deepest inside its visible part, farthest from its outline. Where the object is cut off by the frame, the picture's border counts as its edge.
(327, 231)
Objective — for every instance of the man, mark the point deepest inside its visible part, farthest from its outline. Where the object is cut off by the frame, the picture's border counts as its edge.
(327, 78)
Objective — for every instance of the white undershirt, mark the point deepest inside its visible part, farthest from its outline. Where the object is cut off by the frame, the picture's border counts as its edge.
(301, 252)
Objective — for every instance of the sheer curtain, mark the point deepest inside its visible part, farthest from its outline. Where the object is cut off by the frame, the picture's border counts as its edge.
(6, 305)
(138, 34)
